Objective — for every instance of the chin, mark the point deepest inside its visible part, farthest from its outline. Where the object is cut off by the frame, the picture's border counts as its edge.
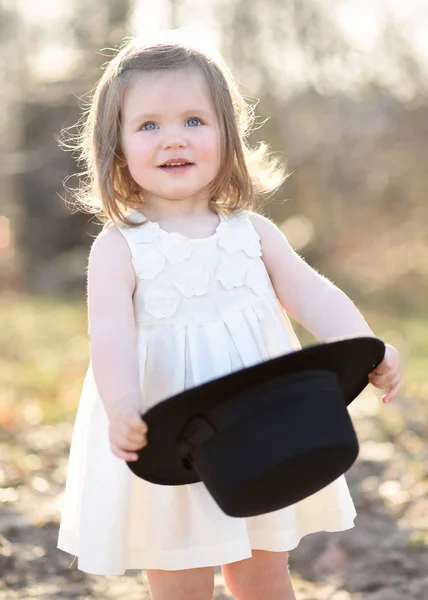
(180, 194)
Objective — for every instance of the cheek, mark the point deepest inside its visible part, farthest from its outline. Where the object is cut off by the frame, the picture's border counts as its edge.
(209, 150)
(137, 153)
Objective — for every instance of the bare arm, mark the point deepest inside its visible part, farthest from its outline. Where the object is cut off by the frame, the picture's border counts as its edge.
(311, 299)
(320, 306)
(113, 340)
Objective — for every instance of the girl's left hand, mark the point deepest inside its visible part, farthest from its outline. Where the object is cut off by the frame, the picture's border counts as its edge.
(388, 373)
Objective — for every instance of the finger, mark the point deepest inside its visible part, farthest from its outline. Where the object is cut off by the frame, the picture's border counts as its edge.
(388, 379)
(135, 422)
(128, 456)
(125, 443)
(130, 429)
(386, 382)
(381, 381)
(382, 367)
(131, 435)
(391, 394)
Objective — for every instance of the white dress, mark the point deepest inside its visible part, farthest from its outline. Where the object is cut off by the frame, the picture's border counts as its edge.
(203, 308)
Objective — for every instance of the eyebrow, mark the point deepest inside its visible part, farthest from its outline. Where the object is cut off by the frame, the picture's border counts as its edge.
(156, 116)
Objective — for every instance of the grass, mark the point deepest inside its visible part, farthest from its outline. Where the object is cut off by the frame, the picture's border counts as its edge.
(45, 352)
(44, 355)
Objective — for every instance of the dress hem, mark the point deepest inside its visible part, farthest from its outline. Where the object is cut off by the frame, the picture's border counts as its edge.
(203, 556)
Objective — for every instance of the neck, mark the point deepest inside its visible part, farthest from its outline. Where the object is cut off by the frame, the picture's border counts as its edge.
(160, 208)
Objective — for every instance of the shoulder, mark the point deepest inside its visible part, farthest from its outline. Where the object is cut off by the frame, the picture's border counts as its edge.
(270, 234)
(274, 244)
(259, 222)
(110, 239)
(266, 229)
(270, 239)
(262, 224)
(109, 247)
(110, 264)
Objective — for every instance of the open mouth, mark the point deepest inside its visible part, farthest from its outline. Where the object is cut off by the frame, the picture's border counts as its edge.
(176, 165)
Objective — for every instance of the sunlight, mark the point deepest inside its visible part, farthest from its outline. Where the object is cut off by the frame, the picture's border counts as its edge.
(363, 21)
(54, 62)
(47, 12)
(360, 22)
(196, 19)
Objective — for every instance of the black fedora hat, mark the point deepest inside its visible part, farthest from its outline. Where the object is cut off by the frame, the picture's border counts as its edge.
(267, 436)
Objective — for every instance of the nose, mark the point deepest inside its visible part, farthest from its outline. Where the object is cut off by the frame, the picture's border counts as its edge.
(174, 139)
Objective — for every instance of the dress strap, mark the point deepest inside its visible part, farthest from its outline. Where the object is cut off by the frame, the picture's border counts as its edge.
(237, 232)
(144, 232)
(240, 218)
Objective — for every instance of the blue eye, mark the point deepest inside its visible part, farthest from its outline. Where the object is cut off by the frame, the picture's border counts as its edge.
(149, 126)
(193, 122)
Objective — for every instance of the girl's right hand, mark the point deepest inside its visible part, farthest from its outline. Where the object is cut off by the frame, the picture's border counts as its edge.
(127, 432)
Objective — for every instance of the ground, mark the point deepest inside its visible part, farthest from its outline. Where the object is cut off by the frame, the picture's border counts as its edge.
(385, 557)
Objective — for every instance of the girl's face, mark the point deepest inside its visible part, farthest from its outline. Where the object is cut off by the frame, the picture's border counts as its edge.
(168, 119)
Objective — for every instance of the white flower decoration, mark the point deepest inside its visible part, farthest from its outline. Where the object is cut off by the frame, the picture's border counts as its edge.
(148, 263)
(161, 301)
(145, 233)
(231, 273)
(256, 278)
(176, 248)
(192, 279)
(240, 237)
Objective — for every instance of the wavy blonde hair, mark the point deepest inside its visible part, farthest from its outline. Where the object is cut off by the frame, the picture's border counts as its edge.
(107, 188)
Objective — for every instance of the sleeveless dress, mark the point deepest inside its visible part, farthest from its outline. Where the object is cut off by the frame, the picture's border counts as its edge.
(203, 308)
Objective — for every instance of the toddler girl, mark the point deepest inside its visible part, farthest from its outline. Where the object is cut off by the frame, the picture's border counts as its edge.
(185, 284)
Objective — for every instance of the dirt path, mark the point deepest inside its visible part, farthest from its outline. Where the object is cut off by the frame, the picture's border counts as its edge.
(385, 557)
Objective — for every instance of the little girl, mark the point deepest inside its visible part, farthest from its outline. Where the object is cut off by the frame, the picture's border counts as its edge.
(185, 284)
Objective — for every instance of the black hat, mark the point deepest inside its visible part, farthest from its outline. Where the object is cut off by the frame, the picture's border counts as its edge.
(266, 436)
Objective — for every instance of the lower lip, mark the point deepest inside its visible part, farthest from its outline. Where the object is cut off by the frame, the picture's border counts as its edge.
(181, 169)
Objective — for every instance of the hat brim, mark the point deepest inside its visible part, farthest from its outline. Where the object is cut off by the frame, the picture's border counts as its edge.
(160, 462)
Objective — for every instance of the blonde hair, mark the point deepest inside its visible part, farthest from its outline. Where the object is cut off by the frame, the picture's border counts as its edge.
(108, 189)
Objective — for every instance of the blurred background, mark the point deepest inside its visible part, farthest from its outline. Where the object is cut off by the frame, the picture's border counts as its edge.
(342, 86)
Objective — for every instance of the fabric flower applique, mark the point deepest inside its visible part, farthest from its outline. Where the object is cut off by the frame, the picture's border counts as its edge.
(176, 248)
(257, 278)
(147, 232)
(148, 263)
(161, 301)
(240, 237)
(191, 279)
(231, 273)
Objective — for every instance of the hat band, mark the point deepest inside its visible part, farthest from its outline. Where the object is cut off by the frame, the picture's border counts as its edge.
(201, 428)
